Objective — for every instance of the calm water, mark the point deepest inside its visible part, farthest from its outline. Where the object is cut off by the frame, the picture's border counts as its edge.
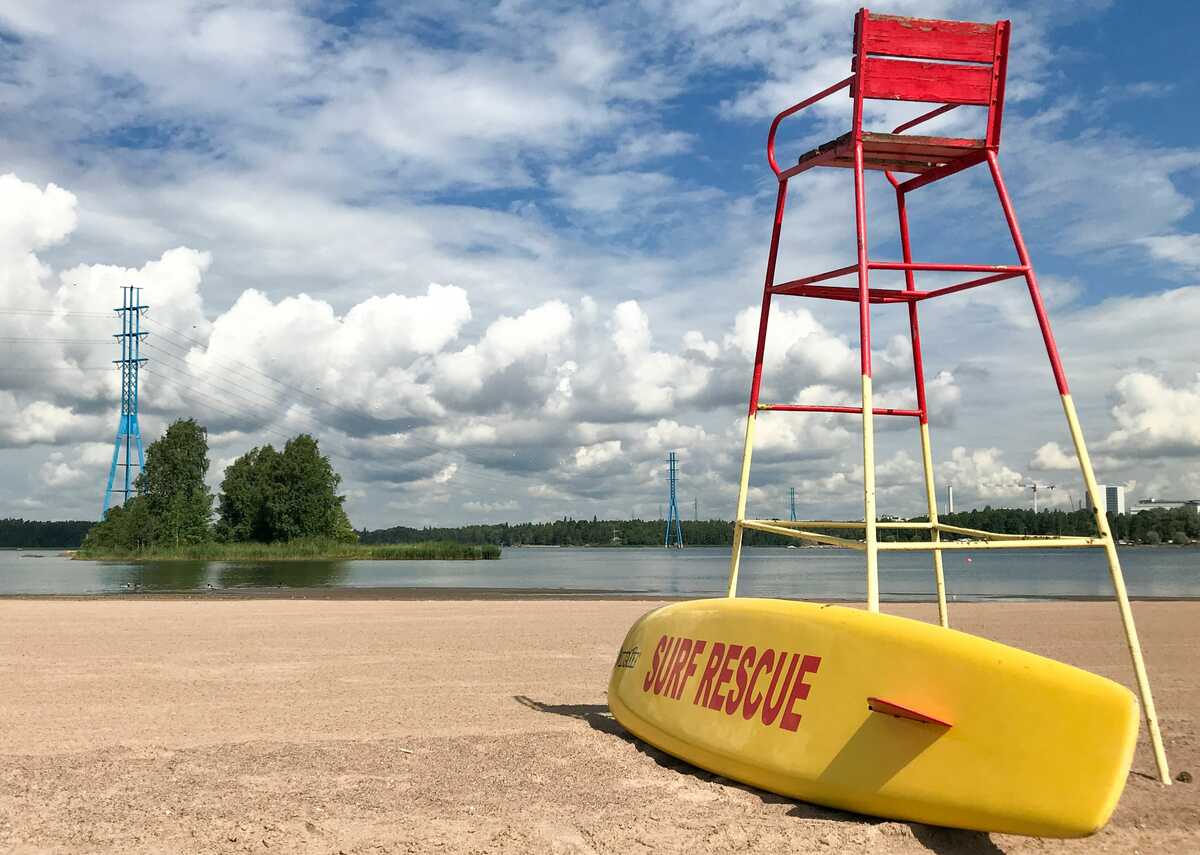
(775, 572)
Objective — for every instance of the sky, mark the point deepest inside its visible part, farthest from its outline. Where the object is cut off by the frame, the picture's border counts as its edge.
(501, 258)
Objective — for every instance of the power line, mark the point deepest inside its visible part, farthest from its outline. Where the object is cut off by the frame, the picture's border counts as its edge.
(54, 313)
(48, 340)
(464, 476)
(409, 436)
(221, 408)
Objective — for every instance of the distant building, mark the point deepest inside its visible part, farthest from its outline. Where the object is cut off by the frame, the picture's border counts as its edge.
(1114, 498)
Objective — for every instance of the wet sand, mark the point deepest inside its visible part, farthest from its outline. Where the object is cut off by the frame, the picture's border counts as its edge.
(271, 725)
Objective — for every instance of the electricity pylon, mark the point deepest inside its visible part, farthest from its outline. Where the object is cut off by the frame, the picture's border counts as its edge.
(792, 503)
(129, 434)
(673, 506)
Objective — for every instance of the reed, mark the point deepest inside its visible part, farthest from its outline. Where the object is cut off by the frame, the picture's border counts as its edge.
(300, 550)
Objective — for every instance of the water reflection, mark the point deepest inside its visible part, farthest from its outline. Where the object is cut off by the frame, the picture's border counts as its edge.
(283, 574)
(697, 571)
(157, 576)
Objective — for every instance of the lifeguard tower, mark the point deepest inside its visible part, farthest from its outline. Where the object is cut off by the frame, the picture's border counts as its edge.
(948, 64)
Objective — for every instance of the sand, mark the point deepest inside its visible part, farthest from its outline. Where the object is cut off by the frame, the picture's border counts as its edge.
(471, 726)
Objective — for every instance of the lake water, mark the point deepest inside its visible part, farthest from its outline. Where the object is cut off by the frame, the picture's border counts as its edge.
(772, 572)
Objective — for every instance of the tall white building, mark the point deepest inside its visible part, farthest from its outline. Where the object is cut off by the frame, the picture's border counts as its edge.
(1113, 496)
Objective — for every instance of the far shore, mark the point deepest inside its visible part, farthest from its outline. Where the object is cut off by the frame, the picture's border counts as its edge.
(302, 550)
(433, 594)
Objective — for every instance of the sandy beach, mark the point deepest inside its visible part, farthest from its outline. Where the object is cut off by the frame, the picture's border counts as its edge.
(273, 725)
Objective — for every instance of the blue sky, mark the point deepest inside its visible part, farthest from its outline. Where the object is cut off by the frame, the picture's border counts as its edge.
(501, 258)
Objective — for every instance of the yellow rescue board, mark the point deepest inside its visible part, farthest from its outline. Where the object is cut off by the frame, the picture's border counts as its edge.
(877, 714)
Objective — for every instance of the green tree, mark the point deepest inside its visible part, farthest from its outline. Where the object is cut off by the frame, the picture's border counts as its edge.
(173, 505)
(125, 528)
(241, 505)
(272, 496)
(178, 501)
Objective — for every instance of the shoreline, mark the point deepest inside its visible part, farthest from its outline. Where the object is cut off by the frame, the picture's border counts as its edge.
(442, 594)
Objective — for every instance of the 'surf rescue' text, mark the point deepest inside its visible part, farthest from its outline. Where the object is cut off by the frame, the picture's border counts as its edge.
(731, 678)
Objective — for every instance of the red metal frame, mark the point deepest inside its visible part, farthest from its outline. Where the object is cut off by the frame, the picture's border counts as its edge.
(969, 67)
(903, 41)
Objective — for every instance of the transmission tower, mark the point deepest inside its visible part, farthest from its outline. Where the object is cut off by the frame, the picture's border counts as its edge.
(673, 506)
(129, 434)
(792, 503)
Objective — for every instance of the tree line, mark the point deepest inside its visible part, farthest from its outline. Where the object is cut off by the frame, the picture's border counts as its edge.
(39, 534)
(267, 496)
(1160, 525)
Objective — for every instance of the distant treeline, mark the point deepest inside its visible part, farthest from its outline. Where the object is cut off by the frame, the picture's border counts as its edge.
(1159, 525)
(43, 535)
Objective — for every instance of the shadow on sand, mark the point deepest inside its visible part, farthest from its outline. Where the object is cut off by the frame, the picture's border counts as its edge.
(943, 841)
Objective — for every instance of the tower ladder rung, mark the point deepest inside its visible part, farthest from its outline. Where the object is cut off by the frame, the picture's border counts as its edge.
(821, 408)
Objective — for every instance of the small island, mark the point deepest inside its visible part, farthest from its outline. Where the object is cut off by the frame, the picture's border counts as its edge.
(272, 506)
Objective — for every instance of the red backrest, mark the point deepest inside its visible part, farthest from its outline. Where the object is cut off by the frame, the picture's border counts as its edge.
(969, 67)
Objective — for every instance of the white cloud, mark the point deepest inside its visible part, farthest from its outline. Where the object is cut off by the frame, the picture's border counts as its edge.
(593, 456)
(57, 472)
(490, 507)
(1051, 456)
(1180, 249)
(34, 218)
(39, 422)
(980, 473)
(286, 188)
(1154, 418)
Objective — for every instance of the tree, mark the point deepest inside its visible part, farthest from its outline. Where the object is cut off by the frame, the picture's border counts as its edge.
(241, 506)
(178, 501)
(173, 505)
(277, 496)
(126, 527)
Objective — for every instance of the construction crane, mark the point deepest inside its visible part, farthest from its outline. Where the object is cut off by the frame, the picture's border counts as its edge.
(1035, 486)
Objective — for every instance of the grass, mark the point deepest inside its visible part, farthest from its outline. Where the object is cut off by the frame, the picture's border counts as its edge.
(300, 550)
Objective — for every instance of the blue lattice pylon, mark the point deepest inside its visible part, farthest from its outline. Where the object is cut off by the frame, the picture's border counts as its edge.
(792, 503)
(129, 434)
(673, 507)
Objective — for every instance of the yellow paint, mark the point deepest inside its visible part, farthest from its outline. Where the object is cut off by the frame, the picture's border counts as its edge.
(1015, 543)
(1118, 580)
(931, 502)
(1034, 747)
(844, 524)
(992, 535)
(735, 558)
(828, 539)
(872, 538)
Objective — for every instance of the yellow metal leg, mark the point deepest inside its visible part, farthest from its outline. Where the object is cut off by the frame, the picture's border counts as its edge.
(869, 497)
(1118, 580)
(931, 499)
(735, 559)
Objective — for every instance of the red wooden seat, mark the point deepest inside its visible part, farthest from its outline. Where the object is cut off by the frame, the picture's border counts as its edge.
(893, 152)
(968, 68)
